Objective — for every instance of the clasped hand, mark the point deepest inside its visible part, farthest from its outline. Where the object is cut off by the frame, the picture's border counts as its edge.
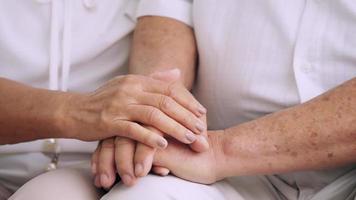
(131, 158)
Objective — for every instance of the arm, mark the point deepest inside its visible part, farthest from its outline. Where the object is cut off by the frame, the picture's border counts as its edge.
(116, 109)
(28, 110)
(162, 43)
(317, 134)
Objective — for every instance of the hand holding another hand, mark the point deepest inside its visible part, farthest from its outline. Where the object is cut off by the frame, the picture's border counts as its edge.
(130, 159)
(120, 107)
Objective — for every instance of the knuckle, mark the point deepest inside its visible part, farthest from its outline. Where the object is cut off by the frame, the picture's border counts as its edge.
(108, 144)
(165, 102)
(153, 115)
(173, 90)
(129, 129)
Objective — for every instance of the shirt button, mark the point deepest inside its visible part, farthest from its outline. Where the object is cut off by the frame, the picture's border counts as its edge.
(306, 68)
(51, 166)
(50, 145)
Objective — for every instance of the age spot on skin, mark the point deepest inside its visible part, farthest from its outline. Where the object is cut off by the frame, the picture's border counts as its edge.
(313, 134)
(330, 155)
(326, 98)
(294, 154)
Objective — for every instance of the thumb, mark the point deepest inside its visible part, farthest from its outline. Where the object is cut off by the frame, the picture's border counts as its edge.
(171, 75)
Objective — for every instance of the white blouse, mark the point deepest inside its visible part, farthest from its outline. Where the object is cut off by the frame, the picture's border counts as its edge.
(257, 57)
(74, 45)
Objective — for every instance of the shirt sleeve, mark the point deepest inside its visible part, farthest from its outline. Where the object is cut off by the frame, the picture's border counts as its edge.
(177, 9)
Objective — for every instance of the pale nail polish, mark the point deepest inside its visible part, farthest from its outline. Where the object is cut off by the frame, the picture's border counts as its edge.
(138, 169)
(163, 172)
(97, 181)
(202, 110)
(205, 142)
(162, 143)
(104, 179)
(191, 137)
(126, 179)
(200, 126)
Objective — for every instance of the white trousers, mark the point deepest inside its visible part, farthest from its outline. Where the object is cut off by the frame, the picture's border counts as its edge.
(75, 184)
(72, 184)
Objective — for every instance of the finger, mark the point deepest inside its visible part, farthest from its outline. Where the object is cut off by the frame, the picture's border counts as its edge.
(94, 166)
(139, 133)
(176, 91)
(124, 154)
(143, 159)
(201, 144)
(144, 156)
(106, 167)
(162, 171)
(154, 117)
(95, 160)
(174, 110)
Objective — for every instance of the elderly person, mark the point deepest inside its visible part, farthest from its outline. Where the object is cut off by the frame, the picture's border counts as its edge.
(52, 54)
(278, 79)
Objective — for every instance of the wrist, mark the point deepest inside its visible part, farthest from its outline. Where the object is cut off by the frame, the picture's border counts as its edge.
(217, 141)
(63, 122)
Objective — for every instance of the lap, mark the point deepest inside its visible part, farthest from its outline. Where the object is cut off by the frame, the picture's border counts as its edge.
(60, 184)
(170, 187)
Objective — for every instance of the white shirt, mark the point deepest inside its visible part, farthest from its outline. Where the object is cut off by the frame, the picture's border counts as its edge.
(87, 41)
(73, 45)
(257, 57)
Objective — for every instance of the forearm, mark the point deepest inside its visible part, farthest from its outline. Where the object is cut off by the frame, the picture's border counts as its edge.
(162, 43)
(28, 113)
(318, 134)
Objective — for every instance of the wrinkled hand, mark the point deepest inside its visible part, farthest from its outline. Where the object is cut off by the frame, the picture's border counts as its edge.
(184, 163)
(120, 107)
(179, 159)
(131, 159)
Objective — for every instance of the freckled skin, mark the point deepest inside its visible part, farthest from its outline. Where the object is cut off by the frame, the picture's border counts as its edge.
(318, 134)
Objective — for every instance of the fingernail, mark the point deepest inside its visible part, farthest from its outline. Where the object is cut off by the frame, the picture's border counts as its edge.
(191, 137)
(97, 181)
(138, 169)
(162, 143)
(126, 179)
(93, 168)
(205, 142)
(200, 126)
(104, 179)
(163, 172)
(202, 110)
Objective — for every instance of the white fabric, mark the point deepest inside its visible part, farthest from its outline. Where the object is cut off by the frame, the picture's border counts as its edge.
(177, 9)
(73, 45)
(258, 57)
(74, 184)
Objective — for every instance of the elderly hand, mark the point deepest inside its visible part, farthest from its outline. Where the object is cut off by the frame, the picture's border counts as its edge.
(118, 155)
(204, 167)
(120, 107)
(133, 160)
